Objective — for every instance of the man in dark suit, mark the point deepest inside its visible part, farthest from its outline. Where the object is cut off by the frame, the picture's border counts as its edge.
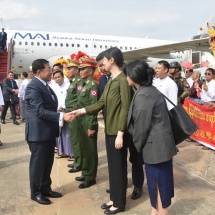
(9, 88)
(3, 39)
(42, 127)
(106, 75)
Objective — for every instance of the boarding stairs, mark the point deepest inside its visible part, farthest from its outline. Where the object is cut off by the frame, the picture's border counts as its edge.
(3, 65)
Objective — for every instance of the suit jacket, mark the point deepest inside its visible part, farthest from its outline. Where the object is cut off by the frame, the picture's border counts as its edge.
(102, 83)
(149, 124)
(42, 119)
(4, 36)
(8, 89)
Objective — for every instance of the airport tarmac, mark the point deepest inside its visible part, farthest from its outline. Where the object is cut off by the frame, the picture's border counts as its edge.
(194, 174)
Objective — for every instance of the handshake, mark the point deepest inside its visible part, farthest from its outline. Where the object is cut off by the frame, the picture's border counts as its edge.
(69, 117)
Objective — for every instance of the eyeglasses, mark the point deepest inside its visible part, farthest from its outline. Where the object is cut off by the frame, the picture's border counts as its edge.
(207, 73)
(187, 71)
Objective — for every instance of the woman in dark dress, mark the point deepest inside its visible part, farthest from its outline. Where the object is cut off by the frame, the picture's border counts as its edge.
(150, 127)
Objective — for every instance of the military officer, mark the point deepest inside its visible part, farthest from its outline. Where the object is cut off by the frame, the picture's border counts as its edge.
(88, 124)
(71, 104)
(182, 84)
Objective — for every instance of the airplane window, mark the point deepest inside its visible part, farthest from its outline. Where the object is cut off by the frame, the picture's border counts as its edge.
(106, 47)
(61, 44)
(55, 44)
(20, 43)
(50, 44)
(86, 46)
(32, 43)
(95, 46)
(72, 45)
(135, 47)
(14, 42)
(78, 45)
(26, 43)
(121, 47)
(38, 43)
(125, 48)
(130, 48)
(44, 44)
(100, 46)
(67, 45)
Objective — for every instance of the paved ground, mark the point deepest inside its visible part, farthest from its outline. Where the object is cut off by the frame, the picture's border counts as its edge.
(194, 172)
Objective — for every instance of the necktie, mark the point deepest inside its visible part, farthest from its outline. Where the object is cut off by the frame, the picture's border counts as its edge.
(48, 88)
(11, 83)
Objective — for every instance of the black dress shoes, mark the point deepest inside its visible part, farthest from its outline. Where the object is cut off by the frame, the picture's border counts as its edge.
(105, 206)
(108, 191)
(41, 200)
(15, 123)
(74, 169)
(3, 121)
(71, 165)
(137, 192)
(81, 178)
(87, 184)
(108, 211)
(53, 194)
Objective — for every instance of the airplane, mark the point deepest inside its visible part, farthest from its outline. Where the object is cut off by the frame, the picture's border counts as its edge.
(26, 46)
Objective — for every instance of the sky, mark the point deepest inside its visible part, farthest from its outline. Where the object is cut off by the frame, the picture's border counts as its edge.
(175, 20)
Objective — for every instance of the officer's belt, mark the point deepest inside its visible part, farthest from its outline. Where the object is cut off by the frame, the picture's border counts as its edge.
(69, 109)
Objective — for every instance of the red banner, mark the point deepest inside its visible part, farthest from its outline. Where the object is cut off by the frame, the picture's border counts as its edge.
(205, 120)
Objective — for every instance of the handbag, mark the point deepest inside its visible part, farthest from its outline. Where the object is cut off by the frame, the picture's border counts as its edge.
(182, 125)
(14, 99)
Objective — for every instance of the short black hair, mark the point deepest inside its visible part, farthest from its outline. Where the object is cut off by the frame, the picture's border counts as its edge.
(211, 70)
(58, 71)
(25, 74)
(116, 54)
(38, 64)
(100, 56)
(164, 63)
(59, 65)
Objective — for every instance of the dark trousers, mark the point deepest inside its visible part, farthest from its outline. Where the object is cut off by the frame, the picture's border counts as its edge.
(117, 167)
(41, 161)
(137, 165)
(5, 107)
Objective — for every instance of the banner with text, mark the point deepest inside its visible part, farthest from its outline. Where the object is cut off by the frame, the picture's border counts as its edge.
(205, 120)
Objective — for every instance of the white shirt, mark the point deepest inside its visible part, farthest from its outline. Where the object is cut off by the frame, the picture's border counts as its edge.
(22, 88)
(60, 92)
(190, 81)
(1, 98)
(210, 94)
(169, 88)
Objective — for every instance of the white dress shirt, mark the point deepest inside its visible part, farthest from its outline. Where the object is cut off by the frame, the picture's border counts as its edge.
(22, 88)
(169, 88)
(1, 98)
(210, 94)
(190, 81)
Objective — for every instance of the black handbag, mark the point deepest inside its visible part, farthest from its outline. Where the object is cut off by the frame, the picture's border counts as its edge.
(182, 125)
(14, 99)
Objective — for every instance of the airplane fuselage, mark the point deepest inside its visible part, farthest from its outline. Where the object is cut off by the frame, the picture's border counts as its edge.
(30, 45)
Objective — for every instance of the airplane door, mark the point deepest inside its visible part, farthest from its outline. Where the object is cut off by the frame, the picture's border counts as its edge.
(95, 48)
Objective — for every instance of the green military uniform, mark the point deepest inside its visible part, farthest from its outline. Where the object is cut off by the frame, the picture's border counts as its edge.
(88, 96)
(71, 104)
(183, 88)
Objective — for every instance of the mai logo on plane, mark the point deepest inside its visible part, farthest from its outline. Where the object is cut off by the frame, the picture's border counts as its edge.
(31, 36)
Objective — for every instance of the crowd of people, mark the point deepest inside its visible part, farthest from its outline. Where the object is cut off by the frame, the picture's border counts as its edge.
(61, 116)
